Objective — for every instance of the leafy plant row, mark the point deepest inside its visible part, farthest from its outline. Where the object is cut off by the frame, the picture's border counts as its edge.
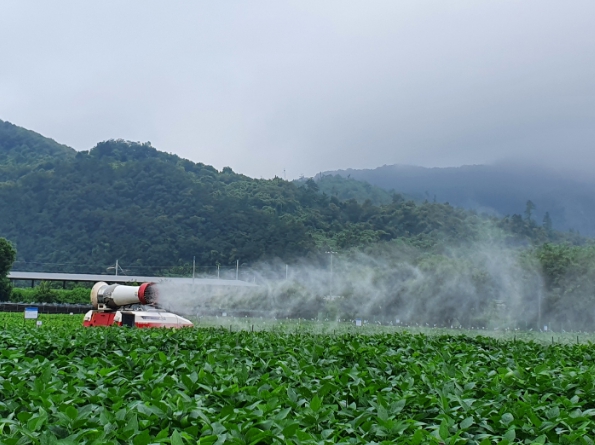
(113, 386)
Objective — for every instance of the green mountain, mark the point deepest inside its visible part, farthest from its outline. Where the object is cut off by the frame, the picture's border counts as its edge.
(345, 188)
(22, 150)
(156, 211)
(499, 190)
(420, 261)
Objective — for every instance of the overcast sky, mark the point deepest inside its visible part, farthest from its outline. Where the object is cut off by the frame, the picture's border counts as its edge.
(307, 86)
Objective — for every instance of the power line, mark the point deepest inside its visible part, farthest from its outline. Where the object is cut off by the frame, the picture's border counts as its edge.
(132, 266)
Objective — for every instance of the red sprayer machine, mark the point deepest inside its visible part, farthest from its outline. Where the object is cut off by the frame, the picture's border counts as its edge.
(134, 306)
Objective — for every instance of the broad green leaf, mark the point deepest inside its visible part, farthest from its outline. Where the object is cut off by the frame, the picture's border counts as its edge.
(507, 418)
(510, 435)
(282, 414)
(417, 438)
(148, 374)
(315, 404)
(47, 438)
(292, 395)
(176, 439)
(382, 413)
(290, 429)
(72, 412)
(398, 406)
(553, 413)
(444, 433)
(143, 438)
(24, 416)
(466, 423)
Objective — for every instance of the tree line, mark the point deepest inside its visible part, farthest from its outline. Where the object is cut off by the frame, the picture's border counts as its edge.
(131, 202)
(149, 209)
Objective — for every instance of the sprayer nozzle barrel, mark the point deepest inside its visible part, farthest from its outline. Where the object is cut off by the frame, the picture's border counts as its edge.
(117, 295)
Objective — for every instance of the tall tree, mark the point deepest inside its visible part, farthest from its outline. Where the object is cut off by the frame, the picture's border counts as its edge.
(7, 257)
(529, 210)
(547, 222)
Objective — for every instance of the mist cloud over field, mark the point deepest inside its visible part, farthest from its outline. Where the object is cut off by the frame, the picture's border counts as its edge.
(480, 285)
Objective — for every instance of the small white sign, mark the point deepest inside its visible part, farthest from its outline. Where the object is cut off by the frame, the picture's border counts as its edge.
(358, 322)
(38, 323)
(224, 314)
(31, 312)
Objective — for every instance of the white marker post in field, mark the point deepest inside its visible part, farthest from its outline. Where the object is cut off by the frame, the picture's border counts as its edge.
(31, 313)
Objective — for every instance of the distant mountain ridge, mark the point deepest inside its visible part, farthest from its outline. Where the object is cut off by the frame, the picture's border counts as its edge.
(155, 211)
(344, 188)
(21, 147)
(495, 189)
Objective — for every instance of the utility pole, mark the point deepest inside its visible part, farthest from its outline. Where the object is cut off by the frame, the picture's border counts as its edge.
(331, 285)
(331, 288)
(237, 269)
(193, 268)
(116, 268)
(217, 271)
(539, 310)
(286, 271)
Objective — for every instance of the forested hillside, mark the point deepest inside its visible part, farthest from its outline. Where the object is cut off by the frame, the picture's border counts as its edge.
(23, 150)
(498, 189)
(345, 188)
(419, 261)
(154, 210)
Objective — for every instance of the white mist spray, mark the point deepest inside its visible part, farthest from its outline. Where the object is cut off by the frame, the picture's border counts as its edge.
(482, 285)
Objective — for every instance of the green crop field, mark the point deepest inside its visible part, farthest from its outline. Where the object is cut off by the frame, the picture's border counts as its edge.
(61, 383)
